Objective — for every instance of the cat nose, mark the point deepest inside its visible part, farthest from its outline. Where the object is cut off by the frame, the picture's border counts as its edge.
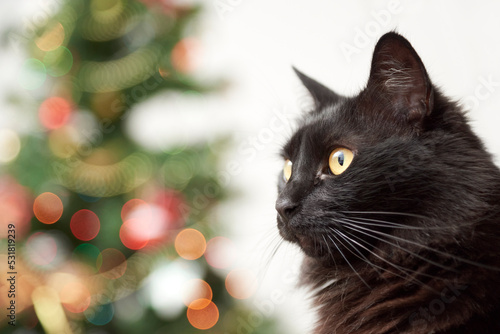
(286, 208)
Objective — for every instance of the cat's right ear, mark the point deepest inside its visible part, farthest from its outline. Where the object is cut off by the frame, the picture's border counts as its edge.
(398, 73)
(321, 95)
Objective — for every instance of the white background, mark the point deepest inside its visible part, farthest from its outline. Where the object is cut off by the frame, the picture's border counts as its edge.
(254, 44)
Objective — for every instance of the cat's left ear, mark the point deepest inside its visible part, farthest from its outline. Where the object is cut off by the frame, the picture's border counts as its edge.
(321, 94)
(398, 72)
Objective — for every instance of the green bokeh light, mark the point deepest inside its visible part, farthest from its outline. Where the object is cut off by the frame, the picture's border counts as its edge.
(87, 254)
(58, 61)
(33, 74)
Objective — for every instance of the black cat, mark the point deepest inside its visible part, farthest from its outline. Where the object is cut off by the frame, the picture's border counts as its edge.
(396, 204)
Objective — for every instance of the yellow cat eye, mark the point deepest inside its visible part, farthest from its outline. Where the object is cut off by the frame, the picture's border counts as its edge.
(287, 170)
(340, 159)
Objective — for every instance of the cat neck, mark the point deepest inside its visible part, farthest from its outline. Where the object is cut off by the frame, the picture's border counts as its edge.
(428, 300)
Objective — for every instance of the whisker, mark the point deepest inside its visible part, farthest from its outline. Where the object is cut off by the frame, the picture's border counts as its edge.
(349, 263)
(404, 270)
(383, 223)
(361, 256)
(386, 213)
(270, 256)
(360, 228)
(455, 257)
(330, 252)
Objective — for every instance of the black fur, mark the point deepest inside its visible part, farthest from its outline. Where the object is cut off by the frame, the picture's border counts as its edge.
(407, 239)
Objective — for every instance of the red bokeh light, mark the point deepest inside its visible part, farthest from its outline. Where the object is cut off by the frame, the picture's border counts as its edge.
(174, 204)
(131, 206)
(54, 112)
(144, 224)
(85, 225)
(130, 234)
(15, 206)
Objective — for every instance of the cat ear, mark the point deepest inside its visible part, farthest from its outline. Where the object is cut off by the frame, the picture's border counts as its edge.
(398, 72)
(321, 95)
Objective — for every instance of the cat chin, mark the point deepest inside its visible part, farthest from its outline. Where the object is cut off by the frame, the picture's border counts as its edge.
(310, 245)
(317, 251)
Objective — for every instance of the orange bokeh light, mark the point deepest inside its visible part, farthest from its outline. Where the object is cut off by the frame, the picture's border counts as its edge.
(54, 112)
(52, 38)
(112, 263)
(75, 297)
(190, 244)
(48, 208)
(241, 283)
(85, 225)
(197, 289)
(202, 317)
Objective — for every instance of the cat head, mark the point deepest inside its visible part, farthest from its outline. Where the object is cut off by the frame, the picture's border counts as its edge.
(398, 159)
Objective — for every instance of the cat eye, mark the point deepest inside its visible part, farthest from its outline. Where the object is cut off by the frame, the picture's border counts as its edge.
(340, 159)
(287, 170)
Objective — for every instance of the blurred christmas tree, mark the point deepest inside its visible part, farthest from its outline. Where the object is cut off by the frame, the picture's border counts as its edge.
(106, 236)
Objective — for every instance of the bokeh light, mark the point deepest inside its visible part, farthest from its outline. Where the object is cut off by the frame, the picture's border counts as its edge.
(63, 141)
(182, 55)
(143, 224)
(52, 37)
(75, 297)
(33, 74)
(10, 145)
(118, 74)
(41, 248)
(131, 205)
(101, 314)
(203, 314)
(178, 171)
(48, 208)
(111, 263)
(172, 202)
(130, 234)
(190, 244)
(49, 310)
(241, 283)
(54, 112)
(97, 177)
(105, 105)
(85, 225)
(15, 207)
(166, 286)
(136, 215)
(58, 62)
(196, 289)
(89, 199)
(86, 253)
(221, 252)
(130, 309)
(106, 11)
